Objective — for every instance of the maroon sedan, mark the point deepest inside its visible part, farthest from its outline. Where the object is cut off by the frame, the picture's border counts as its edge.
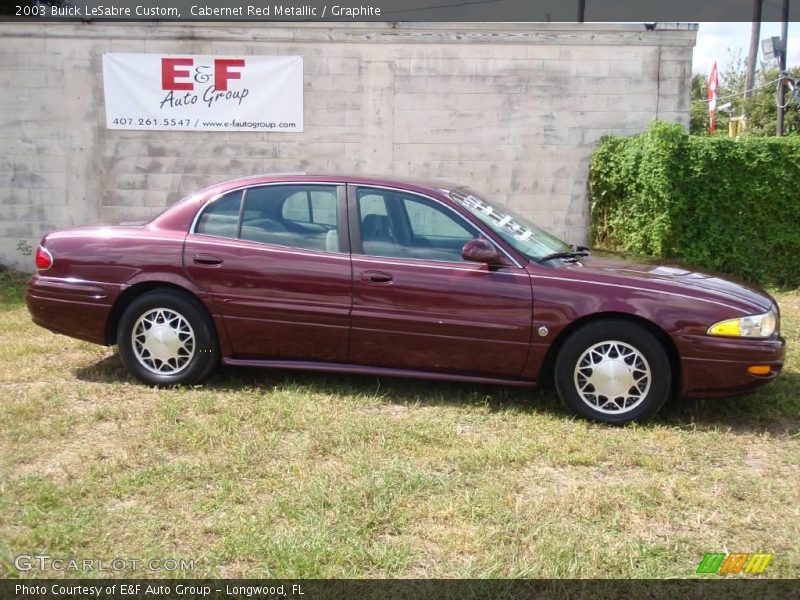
(399, 278)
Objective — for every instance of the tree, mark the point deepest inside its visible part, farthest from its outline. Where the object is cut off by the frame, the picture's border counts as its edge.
(761, 109)
(698, 116)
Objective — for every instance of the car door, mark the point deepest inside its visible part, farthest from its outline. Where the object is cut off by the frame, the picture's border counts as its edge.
(417, 304)
(275, 258)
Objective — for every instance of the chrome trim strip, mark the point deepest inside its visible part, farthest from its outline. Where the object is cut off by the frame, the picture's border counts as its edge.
(264, 246)
(74, 280)
(442, 264)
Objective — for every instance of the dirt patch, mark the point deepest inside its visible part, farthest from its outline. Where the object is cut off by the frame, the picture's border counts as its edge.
(393, 411)
(236, 569)
(88, 445)
(539, 480)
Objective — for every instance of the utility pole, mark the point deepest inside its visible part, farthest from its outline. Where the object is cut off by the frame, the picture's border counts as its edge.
(781, 83)
(752, 57)
(581, 10)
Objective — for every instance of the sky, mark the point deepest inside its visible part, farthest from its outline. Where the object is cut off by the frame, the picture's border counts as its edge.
(714, 39)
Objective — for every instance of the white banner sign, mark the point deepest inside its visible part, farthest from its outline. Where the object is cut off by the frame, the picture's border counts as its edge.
(203, 93)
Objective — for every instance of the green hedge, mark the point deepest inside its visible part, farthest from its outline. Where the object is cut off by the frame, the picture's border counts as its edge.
(727, 204)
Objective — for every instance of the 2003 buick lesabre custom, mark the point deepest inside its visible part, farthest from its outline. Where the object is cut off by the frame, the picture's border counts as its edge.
(402, 278)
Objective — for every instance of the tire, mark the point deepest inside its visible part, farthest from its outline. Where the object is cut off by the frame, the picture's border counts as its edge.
(167, 338)
(600, 360)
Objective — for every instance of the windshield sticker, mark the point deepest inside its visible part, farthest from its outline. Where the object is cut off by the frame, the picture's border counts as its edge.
(502, 220)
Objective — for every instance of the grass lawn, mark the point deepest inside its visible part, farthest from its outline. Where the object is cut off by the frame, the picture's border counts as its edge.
(280, 474)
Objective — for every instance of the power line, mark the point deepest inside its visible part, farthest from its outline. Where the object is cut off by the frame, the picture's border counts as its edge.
(755, 87)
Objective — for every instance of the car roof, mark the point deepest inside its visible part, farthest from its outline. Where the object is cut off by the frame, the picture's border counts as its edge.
(410, 183)
(179, 215)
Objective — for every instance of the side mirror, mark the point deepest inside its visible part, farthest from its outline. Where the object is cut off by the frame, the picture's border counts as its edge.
(481, 251)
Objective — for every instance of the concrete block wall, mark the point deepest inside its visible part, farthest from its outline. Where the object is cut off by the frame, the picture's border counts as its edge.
(514, 110)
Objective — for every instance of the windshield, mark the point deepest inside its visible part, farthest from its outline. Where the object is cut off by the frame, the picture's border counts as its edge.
(525, 237)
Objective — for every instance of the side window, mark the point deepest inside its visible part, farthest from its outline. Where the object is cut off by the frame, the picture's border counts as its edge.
(222, 217)
(297, 207)
(297, 216)
(371, 204)
(323, 208)
(377, 231)
(430, 223)
(403, 226)
(311, 206)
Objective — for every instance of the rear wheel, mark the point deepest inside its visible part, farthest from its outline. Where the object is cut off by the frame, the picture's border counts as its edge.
(166, 338)
(613, 371)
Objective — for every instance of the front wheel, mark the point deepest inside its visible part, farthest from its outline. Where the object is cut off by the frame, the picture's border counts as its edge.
(166, 338)
(613, 371)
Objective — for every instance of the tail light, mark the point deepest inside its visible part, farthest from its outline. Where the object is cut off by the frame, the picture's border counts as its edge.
(44, 260)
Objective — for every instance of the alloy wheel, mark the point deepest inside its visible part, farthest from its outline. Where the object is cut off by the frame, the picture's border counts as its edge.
(612, 377)
(163, 341)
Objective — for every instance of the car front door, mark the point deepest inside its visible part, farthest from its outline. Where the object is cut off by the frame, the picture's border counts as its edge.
(417, 304)
(275, 259)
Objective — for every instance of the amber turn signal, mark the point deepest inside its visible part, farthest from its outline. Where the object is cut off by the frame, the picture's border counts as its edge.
(759, 370)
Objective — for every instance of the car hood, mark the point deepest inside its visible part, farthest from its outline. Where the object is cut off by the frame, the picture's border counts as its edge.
(669, 277)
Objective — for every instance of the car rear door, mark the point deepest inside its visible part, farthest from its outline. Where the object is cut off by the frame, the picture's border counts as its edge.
(417, 304)
(275, 259)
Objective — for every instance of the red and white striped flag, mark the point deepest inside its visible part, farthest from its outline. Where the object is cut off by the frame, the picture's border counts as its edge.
(712, 98)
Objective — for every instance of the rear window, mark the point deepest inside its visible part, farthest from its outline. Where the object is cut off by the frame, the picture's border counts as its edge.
(297, 216)
(222, 217)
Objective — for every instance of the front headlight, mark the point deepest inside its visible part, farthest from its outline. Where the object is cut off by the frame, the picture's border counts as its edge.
(753, 326)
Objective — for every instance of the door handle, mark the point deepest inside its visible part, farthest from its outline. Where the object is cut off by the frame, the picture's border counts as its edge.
(207, 259)
(376, 277)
